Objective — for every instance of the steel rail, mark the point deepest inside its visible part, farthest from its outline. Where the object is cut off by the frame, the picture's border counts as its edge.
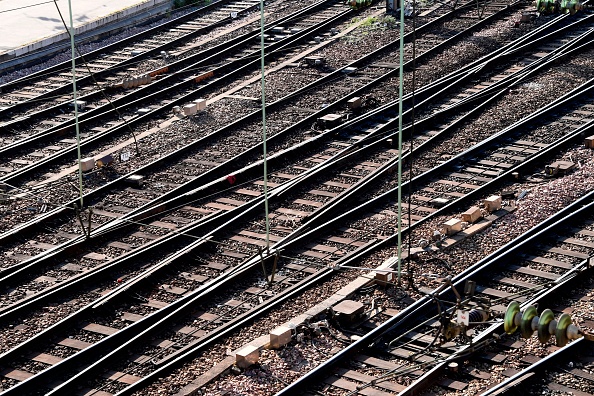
(562, 283)
(186, 351)
(425, 96)
(452, 163)
(22, 269)
(205, 224)
(128, 288)
(548, 363)
(60, 108)
(321, 81)
(377, 137)
(164, 87)
(26, 266)
(424, 307)
(186, 65)
(177, 191)
(252, 170)
(493, 141)
(99, 53)
(60, 128)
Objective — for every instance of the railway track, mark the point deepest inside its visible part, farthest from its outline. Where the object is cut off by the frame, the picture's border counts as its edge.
(24, 164)
(366, 365)
(177, 88)
(106, 251)
(124, 373)
(563, 371)
(32, 212)
(185, 171)
(240, 247)
(107, 214)
(251, 237)
(114, 63)
(424, 349)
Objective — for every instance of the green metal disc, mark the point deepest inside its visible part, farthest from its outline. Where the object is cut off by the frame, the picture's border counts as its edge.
(526, 323)
(510, 313)
(561, 331)
(543, 325)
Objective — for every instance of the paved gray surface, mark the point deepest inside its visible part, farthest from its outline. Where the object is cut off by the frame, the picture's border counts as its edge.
(26, 21)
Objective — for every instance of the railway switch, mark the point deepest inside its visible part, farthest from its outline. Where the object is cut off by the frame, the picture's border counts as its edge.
(545, 325)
